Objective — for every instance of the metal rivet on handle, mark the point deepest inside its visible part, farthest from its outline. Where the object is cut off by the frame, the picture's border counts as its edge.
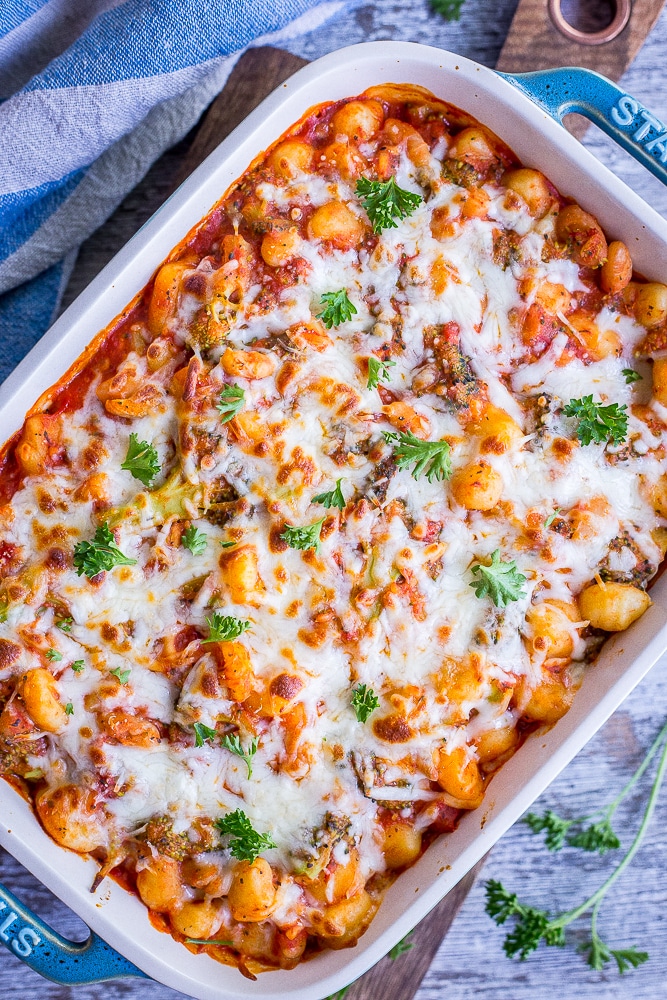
(621, 18)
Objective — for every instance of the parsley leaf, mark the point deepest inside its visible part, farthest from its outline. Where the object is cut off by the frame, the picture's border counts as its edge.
(337, 308)
(626, 957)
(449, 9)
(385, 202)
(598, 954)
(531, 925)
(429, 457)
(231, 402)
(364, 702)
(194, 540)
(69, 708)
(225, 628)
(378, 371)
(233, 744)
(597, 837)
(501, 581)
(334, 498)
(306, 537)
(101, 554)
(246, 843)
(53, 655)
(500, 904)
(552, 517)
(632, 376)
(77, 666)
(597, 422)
(400, 948)
(553, 825)
(203, 733)
(122, 675)
(64, 624)
(141, 460)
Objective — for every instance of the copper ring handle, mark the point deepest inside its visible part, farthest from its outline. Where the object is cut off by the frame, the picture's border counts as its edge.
(621, 18)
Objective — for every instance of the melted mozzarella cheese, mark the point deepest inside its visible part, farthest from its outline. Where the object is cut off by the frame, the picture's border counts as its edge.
(386, 599)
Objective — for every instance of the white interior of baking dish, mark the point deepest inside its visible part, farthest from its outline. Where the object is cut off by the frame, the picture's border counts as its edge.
(538, 141)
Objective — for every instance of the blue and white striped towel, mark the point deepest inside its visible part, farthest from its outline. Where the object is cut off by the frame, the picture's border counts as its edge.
(91, 93)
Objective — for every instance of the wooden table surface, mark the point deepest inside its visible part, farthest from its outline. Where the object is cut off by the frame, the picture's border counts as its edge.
(470, 962)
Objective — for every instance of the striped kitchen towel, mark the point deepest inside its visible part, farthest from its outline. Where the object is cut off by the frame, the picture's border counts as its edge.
(91, 93)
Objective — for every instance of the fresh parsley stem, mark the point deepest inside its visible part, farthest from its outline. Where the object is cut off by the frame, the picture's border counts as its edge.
(594, 901)
(594, 921)
(655, 746)
(608, 811)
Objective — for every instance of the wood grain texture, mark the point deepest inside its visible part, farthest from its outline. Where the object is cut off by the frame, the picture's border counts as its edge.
(256, 74)
(533, 42)
(399, 978)
(470, 962)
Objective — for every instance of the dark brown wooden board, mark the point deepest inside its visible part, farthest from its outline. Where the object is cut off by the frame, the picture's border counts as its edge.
(400, 978)
(257, 73)
(533, 42)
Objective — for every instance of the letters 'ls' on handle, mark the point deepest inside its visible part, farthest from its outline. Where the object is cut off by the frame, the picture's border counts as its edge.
(53, 956)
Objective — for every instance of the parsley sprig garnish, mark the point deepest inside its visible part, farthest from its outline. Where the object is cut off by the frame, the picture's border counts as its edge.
(333, 498)
(378, 371)
(531, 926)
(233, 744)
(337, 308)
(449, 9)
(501, 581)
(225, 628)
(306, 537)
(598, 836)
(77, 666)
(385, 202)
(597, 422)
(231, 402)
(194, 540)
(364, 702)
(53, 655)
(401, 947)
(631, 376)
(122, 675)
(428, 457)
(203, 734)
(246, 844)
(548, 521)
(141, 460)
(101, 554)
(64, 624)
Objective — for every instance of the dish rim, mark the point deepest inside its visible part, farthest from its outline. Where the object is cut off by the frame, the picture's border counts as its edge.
(69, 875)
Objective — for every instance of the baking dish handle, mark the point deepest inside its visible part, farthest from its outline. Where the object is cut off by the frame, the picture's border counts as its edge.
(53, 956)
(624, 118)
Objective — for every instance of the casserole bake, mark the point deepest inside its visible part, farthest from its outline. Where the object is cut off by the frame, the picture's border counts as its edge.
(391, 412)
